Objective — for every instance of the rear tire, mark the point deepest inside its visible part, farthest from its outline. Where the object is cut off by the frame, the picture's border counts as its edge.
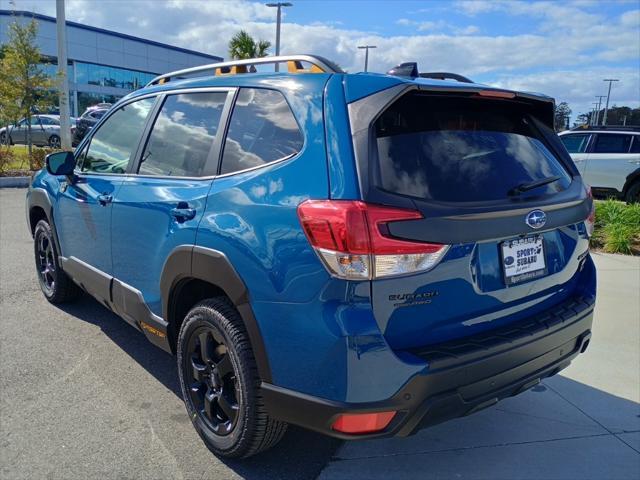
(56, 285)
(220, 382)
(54, 141)
(633, 193)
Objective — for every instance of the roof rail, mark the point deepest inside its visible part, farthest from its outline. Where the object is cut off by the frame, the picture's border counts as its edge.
(619, 128)
(294, 62)
(410, 69)
(446, 76)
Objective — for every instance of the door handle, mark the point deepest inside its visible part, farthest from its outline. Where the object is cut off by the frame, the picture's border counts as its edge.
(183, 212)
(105, 199)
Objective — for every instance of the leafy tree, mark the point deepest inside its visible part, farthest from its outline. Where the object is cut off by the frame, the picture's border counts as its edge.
(561, 116)
(243, 46)
(615, 116)
(23, 84)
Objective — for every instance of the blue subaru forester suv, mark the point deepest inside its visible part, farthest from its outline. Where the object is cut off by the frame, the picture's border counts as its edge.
(359, 254)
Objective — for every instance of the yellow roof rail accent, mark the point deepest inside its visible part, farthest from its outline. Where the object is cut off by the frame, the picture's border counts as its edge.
(295, 66)
(294, 63)
(231, 70)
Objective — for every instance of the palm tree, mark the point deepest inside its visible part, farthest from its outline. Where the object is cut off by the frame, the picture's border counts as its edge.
(243, 46)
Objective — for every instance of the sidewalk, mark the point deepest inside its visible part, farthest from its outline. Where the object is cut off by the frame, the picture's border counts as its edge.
(581, 424)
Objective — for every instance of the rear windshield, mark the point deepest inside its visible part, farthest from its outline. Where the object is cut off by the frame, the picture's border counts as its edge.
(455, 149)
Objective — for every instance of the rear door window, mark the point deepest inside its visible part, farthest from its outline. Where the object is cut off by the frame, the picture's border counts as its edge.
(576, 142)
(612, 143)
(262, 130)
(181, 141)
(635, 146)
(455, 149)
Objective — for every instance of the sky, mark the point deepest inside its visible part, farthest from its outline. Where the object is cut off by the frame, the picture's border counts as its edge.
(560, 48)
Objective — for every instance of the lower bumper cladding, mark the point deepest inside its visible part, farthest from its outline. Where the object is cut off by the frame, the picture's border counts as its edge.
(454, 385)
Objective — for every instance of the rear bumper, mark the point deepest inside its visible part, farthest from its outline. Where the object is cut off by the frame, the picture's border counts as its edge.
(462, 377)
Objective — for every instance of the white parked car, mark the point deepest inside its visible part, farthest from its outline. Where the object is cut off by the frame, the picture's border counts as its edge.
(608, 159)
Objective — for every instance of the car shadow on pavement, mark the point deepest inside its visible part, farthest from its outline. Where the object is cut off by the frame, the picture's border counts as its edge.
(560, 410)
(301, 454)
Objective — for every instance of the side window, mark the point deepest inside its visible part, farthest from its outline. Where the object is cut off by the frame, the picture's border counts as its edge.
(182, 136)
(116, 140)
(635, 146)
(262, 130)
(80, 156)
(576, 143)
(612, 143)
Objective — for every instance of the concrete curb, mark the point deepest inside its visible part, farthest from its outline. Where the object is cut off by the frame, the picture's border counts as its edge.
(14, 182)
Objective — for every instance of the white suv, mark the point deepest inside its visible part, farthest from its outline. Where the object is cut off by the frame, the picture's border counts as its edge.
(608, 159)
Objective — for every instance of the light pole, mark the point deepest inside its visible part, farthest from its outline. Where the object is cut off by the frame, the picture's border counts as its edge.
(594, 117)
(279, 6)
(366, 54)
(63, 91)
(599, 97)
(606, 108)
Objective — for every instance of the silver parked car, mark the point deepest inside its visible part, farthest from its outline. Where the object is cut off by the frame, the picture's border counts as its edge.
(608, 159)
(45, 130)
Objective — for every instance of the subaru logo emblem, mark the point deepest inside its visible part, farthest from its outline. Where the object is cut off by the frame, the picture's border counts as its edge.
(536, 219)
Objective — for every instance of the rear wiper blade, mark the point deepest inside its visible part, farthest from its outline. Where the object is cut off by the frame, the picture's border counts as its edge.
(525, 187)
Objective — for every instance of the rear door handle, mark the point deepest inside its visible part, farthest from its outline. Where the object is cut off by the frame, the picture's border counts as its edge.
(183, 212)
(104, 199)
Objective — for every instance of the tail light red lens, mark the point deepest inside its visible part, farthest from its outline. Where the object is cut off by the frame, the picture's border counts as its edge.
(360, 423)
(352, 238)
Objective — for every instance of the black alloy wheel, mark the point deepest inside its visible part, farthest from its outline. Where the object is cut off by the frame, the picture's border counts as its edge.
(45, 262)
(213, 386)
(56, 286)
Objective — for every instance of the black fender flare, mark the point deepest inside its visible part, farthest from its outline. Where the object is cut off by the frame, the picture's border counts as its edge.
(632, 178)
(213, 266)
(39, 197)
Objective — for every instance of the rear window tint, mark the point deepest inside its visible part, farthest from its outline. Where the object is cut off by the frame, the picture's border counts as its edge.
(454, 149)
(262, 129)
(612, 143)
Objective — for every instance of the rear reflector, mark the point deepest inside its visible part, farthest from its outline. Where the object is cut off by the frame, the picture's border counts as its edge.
(363, 422)
(352, 239)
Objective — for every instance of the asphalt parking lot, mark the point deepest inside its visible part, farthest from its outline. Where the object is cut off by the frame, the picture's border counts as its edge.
(83, 395)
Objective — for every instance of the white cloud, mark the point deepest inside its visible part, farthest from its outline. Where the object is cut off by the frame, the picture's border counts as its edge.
(569, 47)
(579, 88)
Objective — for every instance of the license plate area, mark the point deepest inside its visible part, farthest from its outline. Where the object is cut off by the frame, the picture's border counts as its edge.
(523, 259)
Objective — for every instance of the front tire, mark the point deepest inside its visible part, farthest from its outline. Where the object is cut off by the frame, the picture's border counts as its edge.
(633, 193)
(56, 286)
(220, 382)
(54, 141)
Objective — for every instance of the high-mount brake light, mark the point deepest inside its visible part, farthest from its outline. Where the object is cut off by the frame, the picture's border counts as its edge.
(352, 238)
(496, 94)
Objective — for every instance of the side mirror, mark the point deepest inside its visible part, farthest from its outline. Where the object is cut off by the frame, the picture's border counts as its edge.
(60, 163)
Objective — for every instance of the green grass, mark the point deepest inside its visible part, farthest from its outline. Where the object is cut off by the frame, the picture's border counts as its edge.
(15, 160)
(617, 228)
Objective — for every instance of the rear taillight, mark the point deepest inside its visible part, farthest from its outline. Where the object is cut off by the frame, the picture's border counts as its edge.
(590, 221)
(352, 239)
